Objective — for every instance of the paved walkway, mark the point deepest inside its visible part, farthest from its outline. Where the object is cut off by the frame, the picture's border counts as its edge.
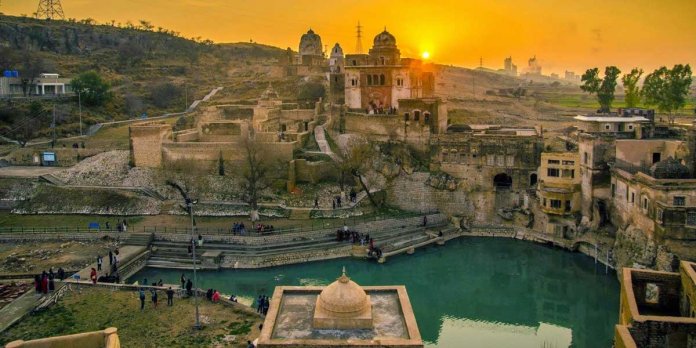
(28, 171)
(323, 144)
(26, 303)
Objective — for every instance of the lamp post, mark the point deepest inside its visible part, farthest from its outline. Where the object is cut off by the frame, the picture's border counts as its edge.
(79, 103)
(189, 206)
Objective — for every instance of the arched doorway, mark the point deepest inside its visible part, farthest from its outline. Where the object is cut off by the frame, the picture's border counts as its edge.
(502, 181)
(532, 179)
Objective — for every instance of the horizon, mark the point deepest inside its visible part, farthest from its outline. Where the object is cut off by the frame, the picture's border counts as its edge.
(453, 33)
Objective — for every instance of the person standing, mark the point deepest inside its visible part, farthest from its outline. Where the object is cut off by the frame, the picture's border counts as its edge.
(154, 297)
(141, 294)
(93, 276)
(259, 304)
(111, 258)
(51, 277)
(189, 286)
(170, 297)
(61, 273)
(183, 281)
(44, 282)
(99, 262)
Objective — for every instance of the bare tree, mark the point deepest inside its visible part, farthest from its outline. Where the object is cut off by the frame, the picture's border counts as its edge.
(255, 176)
(356, 161)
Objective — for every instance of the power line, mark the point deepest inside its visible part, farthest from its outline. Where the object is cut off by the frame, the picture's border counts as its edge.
(50, 9)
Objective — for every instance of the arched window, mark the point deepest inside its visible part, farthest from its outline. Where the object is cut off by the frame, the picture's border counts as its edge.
(375, 79)
(382, 60)
(406, 116)
(381, 80)
(416, 115)
(369, 80)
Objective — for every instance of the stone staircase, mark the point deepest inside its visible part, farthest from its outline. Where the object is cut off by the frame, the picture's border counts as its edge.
(142, 239)
(290, 249)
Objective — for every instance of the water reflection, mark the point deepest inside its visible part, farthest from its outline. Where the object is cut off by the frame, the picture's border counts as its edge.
(491, 293)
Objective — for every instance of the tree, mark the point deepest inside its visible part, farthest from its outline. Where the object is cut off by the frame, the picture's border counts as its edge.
(133, 105)
(27, 125)
(164, 94)
(32, 67)
(631, 89)
(311, 91)
(130, 53)
(8, 59)
(254, 176)
(356, 161)
(667, 88)
(603, 88)
(93, 90)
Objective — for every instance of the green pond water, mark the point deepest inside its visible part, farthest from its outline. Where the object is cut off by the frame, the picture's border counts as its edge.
(472, 292)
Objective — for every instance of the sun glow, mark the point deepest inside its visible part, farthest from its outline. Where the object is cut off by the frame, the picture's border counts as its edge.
(425, 55)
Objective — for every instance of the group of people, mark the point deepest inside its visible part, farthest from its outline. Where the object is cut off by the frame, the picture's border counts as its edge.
(262, 304)
(212, 295)
(187, 284)
(238, 227)
(261, 228)
(154, 296)
(346, 235)
(45, 282)
(110, 275)
(378, 109)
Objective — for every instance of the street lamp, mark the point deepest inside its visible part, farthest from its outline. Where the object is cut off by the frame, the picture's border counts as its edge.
(189, 206)
(79, 103)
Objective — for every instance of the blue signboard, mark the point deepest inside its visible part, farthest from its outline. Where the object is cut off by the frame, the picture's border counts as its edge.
(48, 157)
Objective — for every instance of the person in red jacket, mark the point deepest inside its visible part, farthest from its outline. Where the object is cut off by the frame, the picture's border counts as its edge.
(93, 276)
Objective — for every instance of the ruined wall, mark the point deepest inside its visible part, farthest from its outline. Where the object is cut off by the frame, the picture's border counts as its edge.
(146, 144)
(385, 127)
(639, 153)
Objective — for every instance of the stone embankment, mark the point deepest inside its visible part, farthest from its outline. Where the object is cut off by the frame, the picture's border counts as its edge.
(227, 251)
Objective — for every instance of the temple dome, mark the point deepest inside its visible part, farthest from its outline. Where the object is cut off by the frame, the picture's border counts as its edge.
(343, 297)
(310, 44)
(669, 169)
(384, 39)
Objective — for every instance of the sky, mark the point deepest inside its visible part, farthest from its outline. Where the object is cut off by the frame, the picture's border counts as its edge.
(563, 34)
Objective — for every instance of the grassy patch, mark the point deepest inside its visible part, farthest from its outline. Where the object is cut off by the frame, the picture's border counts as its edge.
(97, 309)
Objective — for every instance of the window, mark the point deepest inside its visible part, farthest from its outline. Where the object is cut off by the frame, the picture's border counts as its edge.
(691, 218)
(569, 173)
(679, 201)
(568, 163)
(658, 215)
(554, 162)
(500, 160)
(490, 160)
(382, 60)
(607, 126)
(556, 203)
(644, 204)
(381, 80)
(632, 198)
(355, 62)
(416, 115)
(613, 190)
(567, 206)
(584, 157)
(630, 127)
(656, 157)
(544, 202)
(406, 116)
(369, 80)
(510, 160)
(553, 172)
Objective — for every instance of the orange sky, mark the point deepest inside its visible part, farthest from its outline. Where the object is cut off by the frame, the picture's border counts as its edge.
(563, 34)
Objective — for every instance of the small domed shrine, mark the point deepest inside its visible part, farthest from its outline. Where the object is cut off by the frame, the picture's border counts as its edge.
(343, 305)
(342, 314)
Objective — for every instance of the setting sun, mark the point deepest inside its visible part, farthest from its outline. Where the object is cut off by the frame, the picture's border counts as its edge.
(425, 55)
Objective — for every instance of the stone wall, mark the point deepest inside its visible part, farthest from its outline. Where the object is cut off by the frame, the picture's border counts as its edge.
(146, 143)
(65, 156)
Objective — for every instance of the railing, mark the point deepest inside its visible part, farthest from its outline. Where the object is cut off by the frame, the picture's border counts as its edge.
(316, 224)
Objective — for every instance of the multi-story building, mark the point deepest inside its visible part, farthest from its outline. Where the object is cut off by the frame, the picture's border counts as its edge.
(375, 82)
(47, 84)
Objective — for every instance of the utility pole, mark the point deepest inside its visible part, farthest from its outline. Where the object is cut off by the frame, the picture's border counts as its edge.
(50, 9)
(189, 204)
(53, 125)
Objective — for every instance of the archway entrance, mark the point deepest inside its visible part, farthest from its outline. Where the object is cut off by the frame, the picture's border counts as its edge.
(502, 181)
(532, 179)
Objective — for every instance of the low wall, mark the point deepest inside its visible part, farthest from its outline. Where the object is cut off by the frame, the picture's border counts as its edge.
(107, 338)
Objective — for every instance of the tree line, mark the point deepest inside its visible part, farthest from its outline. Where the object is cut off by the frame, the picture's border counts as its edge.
(666, 89)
